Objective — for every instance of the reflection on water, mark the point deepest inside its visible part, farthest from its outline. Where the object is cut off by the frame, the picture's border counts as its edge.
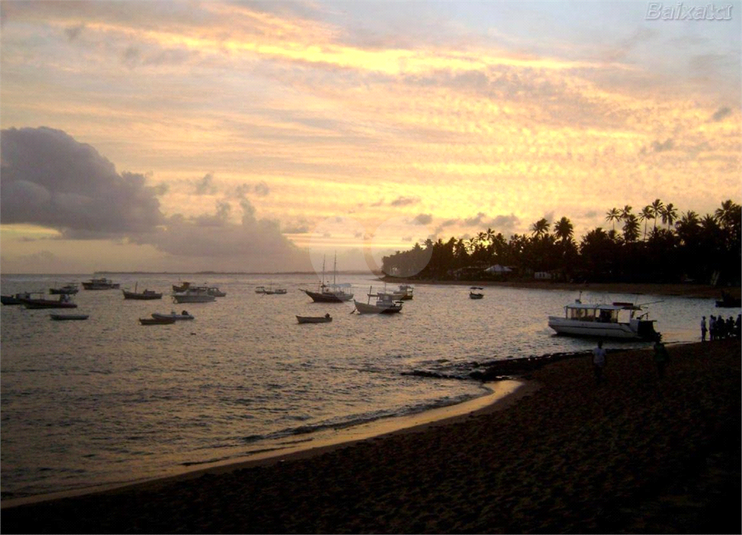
(108, 400)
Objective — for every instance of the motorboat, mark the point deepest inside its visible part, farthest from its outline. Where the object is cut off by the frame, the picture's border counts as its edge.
(146, 295)
(330, 293)
(15, 299)
(64, 301)
(156, 321)
(216, 292)
(68, 289)
(100, 284)
(198, 294)
(69, 317)
(728, 301)
(181, 287)
(475, 292)
(314, 319)
(277, 291)
(618, 320)
(385, 304)
(182, 316)
(407, 292)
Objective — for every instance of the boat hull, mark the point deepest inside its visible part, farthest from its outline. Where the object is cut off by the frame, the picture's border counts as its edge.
(640, 330)
(365, 308)
(177, 317)
(69, 317)
(312, 319)
(319, 297)
(144, 296)
(46, 303)
(200, 298)
(153, 321)
(16, 299)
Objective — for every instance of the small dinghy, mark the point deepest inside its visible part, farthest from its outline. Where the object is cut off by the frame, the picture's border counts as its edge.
(156, 321)
(475, 292)
(69, 317)
(182, 316)
(314, 319)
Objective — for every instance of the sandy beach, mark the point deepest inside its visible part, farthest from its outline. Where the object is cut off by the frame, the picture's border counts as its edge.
(636, 454)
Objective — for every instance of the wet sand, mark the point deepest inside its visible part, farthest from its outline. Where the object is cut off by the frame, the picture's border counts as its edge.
(636, 454)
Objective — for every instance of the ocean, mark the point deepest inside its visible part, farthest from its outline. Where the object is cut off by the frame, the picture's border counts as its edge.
(109, 401)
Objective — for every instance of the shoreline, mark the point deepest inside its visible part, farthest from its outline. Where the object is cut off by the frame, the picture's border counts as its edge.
(502, 393)
(700, 291)
(640, 453)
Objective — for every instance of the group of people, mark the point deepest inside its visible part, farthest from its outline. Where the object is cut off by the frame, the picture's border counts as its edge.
(718, 328)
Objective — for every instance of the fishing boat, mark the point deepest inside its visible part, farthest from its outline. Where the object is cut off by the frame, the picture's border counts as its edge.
(100, 284)
(64, 301)
(146, 295)
(475, 292)
(182, 316)
(68, 289)
(330, 293)
(274, 291)
(198, 294)
(385, 304)
(407, 292)
(156, 321)
(618, 320)
(314, 319)
(728, 301)
(69, 317)
(15, 299)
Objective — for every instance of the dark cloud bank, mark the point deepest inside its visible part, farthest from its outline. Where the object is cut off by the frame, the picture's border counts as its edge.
(52, 180)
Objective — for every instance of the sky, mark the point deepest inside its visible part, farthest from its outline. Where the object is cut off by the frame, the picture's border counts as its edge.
(267, 136)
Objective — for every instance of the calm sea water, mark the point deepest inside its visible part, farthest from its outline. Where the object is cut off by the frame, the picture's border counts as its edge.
(109, 401)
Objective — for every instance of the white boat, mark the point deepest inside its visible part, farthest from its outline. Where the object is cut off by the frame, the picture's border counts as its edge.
(260, 290)
(216, 292)
(385, 304)
(475, 292)
(314, 319)
(198, 294)
(617, 320)
(406, 290)
(174, 315)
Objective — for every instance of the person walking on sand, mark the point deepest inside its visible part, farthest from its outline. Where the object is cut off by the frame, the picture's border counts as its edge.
(703, 329)
(661, 356)
(599, 355)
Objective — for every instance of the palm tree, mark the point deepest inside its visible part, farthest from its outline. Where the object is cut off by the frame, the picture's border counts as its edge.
(728, 214)
(630, 228)
(657, 207)
(625, 212)
(613, 215)
(669, 215)
(646, 213)
(540, 228)
(564, 229)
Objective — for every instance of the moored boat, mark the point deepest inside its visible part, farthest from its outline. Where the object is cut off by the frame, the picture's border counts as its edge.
(314, 319)
(100, 284)
(181, 287)
(15, 299)
(330, 293)
(69, 317)
(156, 321)
(407, 292)
(475, 292)
(182, 316)
(617, 320)
(146, 295)
(385, 304)
(64, 301)
(194, 295)
(68, 289)
(216, 292)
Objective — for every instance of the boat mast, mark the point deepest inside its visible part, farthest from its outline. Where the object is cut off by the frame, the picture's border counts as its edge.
(335, 270)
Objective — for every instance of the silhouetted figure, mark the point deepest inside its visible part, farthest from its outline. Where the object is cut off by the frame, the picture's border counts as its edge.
(712, 328)
(703, 329)
(599, 355)
(738, 325)
(661, 356)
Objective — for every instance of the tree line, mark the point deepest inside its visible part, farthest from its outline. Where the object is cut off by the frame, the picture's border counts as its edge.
(655, 244)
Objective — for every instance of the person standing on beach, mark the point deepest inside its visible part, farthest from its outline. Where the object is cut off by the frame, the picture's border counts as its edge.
(661, 356)
(703, 329)
(599, 355)
(712, 328)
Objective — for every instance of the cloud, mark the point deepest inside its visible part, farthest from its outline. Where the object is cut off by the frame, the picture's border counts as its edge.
(49, 179)
(721, 113)
(423, 219)
(205, 186)
(404, 201)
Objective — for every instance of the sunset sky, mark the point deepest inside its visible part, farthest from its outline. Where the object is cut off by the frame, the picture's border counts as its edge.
(253, 136)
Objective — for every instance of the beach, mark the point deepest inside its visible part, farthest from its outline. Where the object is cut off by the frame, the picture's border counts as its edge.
(638, 453)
